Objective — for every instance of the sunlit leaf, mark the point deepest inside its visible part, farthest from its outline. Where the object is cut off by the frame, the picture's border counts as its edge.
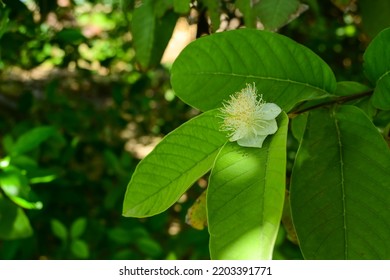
(32, 139)
(340, 186)
(79, 248)
(151, 29)
(212, 68)
(180, 159)
(245, 198)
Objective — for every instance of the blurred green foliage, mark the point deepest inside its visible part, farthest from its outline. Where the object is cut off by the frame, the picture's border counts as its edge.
(75, 88)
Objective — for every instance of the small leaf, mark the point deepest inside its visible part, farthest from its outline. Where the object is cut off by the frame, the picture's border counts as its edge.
(245, 198)
(59, 230)
(152, 28)
(14, 224)
(196, 214)
(15, 186)
(377, 68)
(286, 73)
(149, 247)
(78, 227)
(180, 159)
(275, 13)
(79, 248)
(32, 139)
(339, 187)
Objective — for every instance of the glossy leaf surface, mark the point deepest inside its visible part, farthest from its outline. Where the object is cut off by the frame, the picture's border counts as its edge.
(245, 198)
(212, 68)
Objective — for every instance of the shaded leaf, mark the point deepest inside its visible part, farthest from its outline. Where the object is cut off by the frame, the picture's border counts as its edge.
(78, 227)
(151, 29)
(14, 223)
(275, 13)
(79, 248)
(339, 187)
(377, 68)
(15, 186)
(212, 68)
(180, 159)
(32, 139)
(59, 229)
(197, 214)
(245, 198)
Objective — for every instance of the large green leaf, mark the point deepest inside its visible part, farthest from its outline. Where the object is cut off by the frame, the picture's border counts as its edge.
(340, 187)
(181, 158)
(213, 67)
(377, 68)
(245, 198)
(275, 13)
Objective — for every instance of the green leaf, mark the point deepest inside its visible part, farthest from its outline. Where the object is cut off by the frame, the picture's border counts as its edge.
(32, 139)
(245, 198)
(79, 248)
(14, 223)
(78, 228)
(276, 13)
(377, 68)
(214, 12)
(212, 68)
(59, 229)
(375, 15)
(180, 159)
(340, 186)
(197, 213)
(181, 6)
(151, 32)
(149, 247)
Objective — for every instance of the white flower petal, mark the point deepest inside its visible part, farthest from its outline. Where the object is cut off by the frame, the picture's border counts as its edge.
(253, 141)
(270, 111)
(267, 127)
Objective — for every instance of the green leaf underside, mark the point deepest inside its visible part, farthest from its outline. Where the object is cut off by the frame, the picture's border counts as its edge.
(245, 198)
(340, 186)
(377, 68)
(212, 68)
(180, 159)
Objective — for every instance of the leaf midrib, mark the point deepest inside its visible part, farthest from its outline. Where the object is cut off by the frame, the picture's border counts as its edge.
(342, 183)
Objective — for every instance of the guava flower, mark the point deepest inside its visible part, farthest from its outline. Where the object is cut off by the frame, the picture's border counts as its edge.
(248, 119)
